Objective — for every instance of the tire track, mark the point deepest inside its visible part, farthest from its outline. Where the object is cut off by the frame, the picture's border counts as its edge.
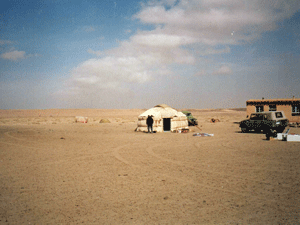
(25, 140)
(116, 154)
(23, 146)
(48, 161)
(241, 159)
(249, 196)
(223, 175)
(151, 152)
(64, 160)
(181, 180)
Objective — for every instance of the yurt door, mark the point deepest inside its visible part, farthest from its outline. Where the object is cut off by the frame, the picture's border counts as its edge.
(167, 124)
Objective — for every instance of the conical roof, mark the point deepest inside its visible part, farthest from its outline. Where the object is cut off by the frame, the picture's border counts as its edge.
(161, 110)
(163, 106)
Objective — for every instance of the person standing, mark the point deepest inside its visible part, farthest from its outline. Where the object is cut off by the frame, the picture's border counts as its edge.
(150, 123)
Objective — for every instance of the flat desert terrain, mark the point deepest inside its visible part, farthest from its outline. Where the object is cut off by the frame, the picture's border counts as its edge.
(56, 171)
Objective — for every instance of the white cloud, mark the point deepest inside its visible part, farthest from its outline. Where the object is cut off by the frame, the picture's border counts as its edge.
(184, 30)
(144, 56)
(162, 40)
(89, 29)
(5, 42)
(97, 53)
(33, 55)
(13, 55)
(212, 22)
(223, 70)
(111, 72)
(201, 73)
(204, 50)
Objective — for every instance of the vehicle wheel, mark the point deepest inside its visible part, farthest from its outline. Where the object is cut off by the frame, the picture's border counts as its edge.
(266, 130)
(244, 130)
(274, 133)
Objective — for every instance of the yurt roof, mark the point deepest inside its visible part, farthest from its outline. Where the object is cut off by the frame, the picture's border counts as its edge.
(161, 110)
(163, 106)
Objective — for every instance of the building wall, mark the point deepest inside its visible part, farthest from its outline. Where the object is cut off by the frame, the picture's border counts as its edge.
(176, 124)
(286, 108)
(250, 109)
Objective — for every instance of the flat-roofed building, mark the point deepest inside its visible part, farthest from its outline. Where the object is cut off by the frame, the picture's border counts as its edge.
(290, 107)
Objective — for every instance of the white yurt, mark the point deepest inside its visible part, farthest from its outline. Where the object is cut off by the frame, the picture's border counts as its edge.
(165, 118)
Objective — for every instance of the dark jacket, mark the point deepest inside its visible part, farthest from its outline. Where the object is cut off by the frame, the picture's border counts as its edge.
(149, 121)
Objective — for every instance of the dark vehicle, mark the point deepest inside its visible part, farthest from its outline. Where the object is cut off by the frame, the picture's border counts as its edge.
(270, 122)
(192, 120)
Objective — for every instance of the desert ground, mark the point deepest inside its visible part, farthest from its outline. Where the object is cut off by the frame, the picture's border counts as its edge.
(56, 171)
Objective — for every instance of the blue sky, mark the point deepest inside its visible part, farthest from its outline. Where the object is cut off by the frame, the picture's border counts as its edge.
(137, 54)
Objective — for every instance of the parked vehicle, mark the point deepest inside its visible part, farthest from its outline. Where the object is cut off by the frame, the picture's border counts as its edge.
(268, 122)
(192, 120)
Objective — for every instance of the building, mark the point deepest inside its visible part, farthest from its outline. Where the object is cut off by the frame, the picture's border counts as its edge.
(290, 107)
(165, 118)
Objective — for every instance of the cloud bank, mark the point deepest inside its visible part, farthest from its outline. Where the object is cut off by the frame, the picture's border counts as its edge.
(223, 70)
(13, 55)
(183, 31)
(5, 42)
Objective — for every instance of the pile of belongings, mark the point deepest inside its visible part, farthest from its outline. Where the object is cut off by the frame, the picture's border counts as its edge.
(203, 135)
(288, 137)
(181, 131)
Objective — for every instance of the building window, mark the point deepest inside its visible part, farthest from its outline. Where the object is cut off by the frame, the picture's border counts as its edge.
(278, 115)
(272, 108)
(259, 108)
(295, 110)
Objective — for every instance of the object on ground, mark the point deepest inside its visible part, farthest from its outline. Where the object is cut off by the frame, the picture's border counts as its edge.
(282, 136)
(293, 137)
(181, 131)
(203, 135)
(191, 119)
(213, 120)
(288, 137)
(81, 119)
(164, 117)
(104, 121)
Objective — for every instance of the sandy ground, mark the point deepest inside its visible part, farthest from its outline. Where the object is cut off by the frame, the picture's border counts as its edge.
(55, 171)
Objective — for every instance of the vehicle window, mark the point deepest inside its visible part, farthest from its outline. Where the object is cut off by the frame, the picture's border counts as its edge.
(272, 108)
(259, 108)
(278, 115)
(296, 110)
(256, 117)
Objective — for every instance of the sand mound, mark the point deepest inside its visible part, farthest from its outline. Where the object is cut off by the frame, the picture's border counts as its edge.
(104, 121)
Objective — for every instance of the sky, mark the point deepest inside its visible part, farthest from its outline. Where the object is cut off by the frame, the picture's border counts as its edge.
(139, 53)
